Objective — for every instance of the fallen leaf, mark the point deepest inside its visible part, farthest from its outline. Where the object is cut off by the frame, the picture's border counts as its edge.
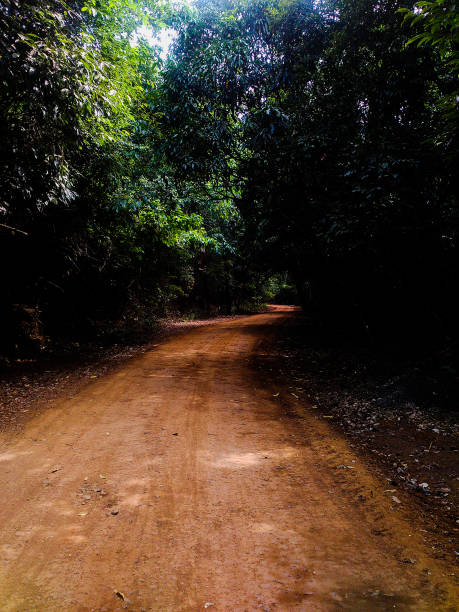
(101, 476)
(396, 499)
(276, 395)
(119, 594)
(82, 514)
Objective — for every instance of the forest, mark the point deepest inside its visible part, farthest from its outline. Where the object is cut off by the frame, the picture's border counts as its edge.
(292, 150)
(229, 332)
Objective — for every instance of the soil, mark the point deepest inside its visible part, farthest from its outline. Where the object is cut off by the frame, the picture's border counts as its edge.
(408, 436)
(30, 385)
(186, 479)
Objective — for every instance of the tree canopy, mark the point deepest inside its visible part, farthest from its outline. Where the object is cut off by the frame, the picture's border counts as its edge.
(280, 143)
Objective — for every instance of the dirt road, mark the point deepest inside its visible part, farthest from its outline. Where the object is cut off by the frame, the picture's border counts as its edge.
(184, 481)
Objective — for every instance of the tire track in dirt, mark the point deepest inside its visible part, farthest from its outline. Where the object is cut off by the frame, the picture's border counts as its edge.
(185, 479)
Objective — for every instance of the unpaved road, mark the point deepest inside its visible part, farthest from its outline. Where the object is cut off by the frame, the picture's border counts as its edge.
(183, 481)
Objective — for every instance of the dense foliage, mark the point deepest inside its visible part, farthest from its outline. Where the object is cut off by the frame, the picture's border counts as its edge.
(92, 231)
(330, 133)
(282, 142)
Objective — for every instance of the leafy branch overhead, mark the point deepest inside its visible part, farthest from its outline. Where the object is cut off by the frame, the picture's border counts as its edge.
(437, 25)
(277, 143)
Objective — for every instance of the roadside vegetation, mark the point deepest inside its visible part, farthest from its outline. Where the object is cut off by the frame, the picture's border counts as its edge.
(297, 151)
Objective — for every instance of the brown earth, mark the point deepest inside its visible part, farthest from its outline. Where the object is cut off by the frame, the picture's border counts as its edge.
(186, 480)
(414, 445)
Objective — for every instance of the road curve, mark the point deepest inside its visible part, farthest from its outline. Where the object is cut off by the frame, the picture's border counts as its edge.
(186, 481)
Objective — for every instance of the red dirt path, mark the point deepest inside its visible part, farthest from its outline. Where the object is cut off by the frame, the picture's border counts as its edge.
(183, 481)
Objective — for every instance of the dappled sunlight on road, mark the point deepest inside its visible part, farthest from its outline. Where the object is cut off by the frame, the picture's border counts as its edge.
(12, 456)
(250, 459)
